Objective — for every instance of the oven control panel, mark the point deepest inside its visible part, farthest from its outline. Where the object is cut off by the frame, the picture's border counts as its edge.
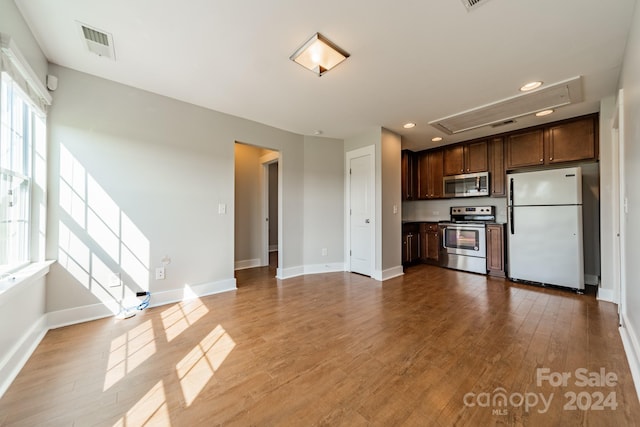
(472, 210)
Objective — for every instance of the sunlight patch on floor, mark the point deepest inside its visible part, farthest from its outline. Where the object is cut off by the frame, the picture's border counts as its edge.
(150, 410)
(128, 351)
(180, 316)
(196, 369)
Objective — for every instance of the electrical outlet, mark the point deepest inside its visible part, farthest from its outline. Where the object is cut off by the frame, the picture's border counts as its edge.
(325, 252)
(160, 273)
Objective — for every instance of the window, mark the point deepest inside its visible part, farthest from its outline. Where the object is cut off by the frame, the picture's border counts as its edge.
(21, 128)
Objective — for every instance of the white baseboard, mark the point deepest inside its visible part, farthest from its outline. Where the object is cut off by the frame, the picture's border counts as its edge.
(301, 270)
(12, 364)
(389, 273)
(287, 273)
(75, 315)
(608, 295)
(323, 268)
(630, 341)
(248, 263)
(190, 292)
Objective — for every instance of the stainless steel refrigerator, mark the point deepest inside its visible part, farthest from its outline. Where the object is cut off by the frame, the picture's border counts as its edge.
(544, 236)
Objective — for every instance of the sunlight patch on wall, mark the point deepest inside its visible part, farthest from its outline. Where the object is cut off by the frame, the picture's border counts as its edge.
(150, 410)
(73, 255)
(99, 244)
(128, 351)
(197, 368)
(179, 317)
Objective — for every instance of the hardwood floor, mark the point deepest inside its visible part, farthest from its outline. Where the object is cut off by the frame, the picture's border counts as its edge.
(432, 348)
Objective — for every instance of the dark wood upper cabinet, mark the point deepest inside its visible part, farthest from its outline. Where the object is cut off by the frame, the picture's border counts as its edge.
(567, 141)
(436, 186)
(571, 141)
(466, 158)
(497, 177)
(409, 175)
(525, 149)
(475, 157)
(453, 160)
(430, 166)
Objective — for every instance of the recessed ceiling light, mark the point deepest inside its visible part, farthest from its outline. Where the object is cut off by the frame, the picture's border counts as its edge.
(317, 132)
(409, 125)
(436, 139)
(530, 86)
(544, 113)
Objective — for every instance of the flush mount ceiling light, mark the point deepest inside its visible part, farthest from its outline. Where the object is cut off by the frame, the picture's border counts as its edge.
(530, 86)
(544, 113)
(319, 55)
(409, 125)
(436, 139)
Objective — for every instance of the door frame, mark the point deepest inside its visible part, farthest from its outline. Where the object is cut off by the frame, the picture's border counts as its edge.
(265, 161)
(617, 128)
(349, 155)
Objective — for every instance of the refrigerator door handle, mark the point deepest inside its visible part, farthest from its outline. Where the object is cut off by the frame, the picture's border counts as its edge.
(511, 191)
(511, 224)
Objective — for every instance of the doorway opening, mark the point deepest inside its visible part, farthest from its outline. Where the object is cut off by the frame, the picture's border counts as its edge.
(257, 212)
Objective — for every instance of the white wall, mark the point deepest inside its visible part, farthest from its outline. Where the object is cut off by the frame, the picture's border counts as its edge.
(165, 165)
(391, 204)
(630, 84)
(323, 204)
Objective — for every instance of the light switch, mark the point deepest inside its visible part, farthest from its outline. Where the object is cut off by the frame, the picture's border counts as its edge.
(222, 208)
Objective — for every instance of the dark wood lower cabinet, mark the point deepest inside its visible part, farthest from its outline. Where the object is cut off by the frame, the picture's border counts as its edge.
(429, 242)
(496, 250)
(410, 243)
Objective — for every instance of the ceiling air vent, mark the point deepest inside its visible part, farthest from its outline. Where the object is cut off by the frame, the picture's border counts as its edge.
(98, 41)
(553, 96)
(473, 4)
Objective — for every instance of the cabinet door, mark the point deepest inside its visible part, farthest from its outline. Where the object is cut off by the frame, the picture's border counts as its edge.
(453, 160)
(495, 250)
(408, 174)
(571, 141)
(424, 245)
(475, 156)
(433, 245)
(525, 149)
(497, 178)
(423, 175)
(435, 185)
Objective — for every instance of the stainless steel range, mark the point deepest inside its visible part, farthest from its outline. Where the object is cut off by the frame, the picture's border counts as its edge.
(463, 243)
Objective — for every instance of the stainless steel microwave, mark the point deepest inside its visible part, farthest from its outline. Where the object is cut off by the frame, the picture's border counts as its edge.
(467, 185)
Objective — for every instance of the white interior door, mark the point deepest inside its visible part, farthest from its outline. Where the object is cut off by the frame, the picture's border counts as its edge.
(361, 208)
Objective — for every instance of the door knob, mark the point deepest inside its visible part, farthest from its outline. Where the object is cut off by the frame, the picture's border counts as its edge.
(366, 221)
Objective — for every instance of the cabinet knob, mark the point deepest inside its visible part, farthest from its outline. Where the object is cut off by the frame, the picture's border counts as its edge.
(541, 160)
(550, 158)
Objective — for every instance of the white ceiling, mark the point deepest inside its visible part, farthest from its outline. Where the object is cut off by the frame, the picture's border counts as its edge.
(411, 60)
